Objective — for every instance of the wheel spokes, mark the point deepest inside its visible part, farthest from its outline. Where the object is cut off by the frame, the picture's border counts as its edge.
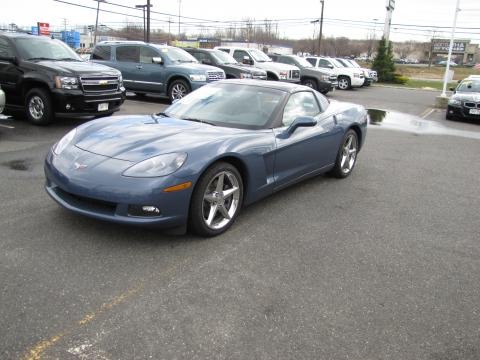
(221, 179)
(211, 214)
(229, 192)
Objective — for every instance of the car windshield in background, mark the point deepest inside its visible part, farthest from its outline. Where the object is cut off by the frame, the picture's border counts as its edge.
(354, 63)
(251, 108)
(177, 55)
(302, 61)
(38, 48)
(336, 63)
(259, 56)
(469, 86)
(222, 57)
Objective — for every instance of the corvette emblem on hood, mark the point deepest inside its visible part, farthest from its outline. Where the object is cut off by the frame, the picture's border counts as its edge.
(79, 166)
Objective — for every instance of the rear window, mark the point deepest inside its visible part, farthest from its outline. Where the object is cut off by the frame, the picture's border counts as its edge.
(102, 53)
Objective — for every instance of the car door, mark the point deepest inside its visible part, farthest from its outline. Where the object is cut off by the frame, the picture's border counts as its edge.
(10, 74)
(149, 75)
(127, 60)
(308, 149)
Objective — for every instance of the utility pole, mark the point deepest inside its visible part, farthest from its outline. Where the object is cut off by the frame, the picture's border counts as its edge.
(179, 5)
(321, 28)
(145, 30)
(96, 22)
(313, 37)
(169, 33)
(388, 20)
(148, 21)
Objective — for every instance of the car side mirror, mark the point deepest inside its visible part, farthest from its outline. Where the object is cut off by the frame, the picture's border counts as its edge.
(206, 62)
(330, 66)
(157, 60)
(247, 60)
(11, 59)
(452, 89)
(301, 121)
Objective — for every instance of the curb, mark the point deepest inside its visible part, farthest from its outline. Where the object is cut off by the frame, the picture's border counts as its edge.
(405, 88)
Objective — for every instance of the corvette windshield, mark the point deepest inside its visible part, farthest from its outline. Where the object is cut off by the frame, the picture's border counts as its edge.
(230, 105)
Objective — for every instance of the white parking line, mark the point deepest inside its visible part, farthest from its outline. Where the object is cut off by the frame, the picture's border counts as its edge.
(7, 126)
(427, 112)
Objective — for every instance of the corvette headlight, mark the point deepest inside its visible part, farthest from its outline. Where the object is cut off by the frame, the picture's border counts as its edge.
(454, 102)
(245, 76)
(66, 82)
(198, 77)
(63, 143)
(160, 165)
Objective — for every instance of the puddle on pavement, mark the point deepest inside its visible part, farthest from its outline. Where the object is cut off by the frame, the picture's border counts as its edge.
(410, 123)
(19, 165)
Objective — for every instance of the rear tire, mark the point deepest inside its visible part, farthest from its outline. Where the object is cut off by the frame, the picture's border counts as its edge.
(38, 106)
(344, 83)
(216, 200)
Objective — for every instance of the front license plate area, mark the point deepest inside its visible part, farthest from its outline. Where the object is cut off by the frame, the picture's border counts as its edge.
(475, 111)
(103, 107)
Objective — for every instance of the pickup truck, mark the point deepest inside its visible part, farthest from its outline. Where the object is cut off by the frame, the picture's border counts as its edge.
(46, 78)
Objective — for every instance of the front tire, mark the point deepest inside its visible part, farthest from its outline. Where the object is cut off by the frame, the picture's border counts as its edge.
(347, 155)
(178, 89)
(311, 83)
(216, 200)
(344, 83)
(38, 106)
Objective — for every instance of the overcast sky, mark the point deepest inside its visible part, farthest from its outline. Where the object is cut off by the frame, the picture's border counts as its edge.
(350, 18)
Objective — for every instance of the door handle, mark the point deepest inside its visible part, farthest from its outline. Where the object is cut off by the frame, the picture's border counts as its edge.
(139, 67)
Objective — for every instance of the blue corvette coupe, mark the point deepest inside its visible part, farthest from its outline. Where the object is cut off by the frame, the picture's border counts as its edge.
(223, 146)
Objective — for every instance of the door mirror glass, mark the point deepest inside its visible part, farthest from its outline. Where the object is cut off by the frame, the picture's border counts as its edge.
(206, 62)
(157, 60)
(247, 60)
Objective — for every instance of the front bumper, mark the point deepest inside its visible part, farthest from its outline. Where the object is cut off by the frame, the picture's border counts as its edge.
(357, 81)
(461, 112)
(103, 193)
(75, 103)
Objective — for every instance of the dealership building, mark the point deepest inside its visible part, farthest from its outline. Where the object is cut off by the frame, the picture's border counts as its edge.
(463, 51)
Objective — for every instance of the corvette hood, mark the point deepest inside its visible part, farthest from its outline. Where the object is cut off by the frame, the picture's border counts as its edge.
(141, 137)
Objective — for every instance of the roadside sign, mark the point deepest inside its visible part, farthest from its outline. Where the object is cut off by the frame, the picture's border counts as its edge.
(390, 4)
(43, 28)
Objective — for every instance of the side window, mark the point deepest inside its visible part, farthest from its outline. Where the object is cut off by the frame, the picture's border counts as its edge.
(224, 50)
(239, 54)
(5, 48)
(301, 103)
(128, 54)
(312, 61)
(146, 55)
(102, 53)
(324, 63)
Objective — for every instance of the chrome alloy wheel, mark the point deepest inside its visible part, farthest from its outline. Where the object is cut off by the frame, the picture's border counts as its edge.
(179, 91)
(36, 107)
(221, 200)
(349, 153)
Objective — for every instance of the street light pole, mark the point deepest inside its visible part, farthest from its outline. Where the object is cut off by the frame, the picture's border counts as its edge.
(445, 77)
(179, 4)
(321, 28)
(96, 22)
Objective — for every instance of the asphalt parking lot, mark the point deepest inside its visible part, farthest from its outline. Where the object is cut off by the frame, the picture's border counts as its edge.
(382, 265)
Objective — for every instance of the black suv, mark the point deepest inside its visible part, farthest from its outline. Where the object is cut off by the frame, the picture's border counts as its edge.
(47, 78)
(232, 68)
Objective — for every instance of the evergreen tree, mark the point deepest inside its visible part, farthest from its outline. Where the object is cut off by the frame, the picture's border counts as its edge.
(383, 63)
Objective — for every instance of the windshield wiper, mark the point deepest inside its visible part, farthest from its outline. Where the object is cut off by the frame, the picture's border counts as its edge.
(198, 120)
(40, 58)
(68, 59)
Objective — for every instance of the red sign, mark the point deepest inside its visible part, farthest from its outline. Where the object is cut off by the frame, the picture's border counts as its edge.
(43, 28)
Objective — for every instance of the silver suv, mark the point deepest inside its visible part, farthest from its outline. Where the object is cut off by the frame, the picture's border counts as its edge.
(255, 57)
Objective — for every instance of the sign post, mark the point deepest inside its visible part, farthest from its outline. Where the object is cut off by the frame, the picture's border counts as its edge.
(447, 68)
